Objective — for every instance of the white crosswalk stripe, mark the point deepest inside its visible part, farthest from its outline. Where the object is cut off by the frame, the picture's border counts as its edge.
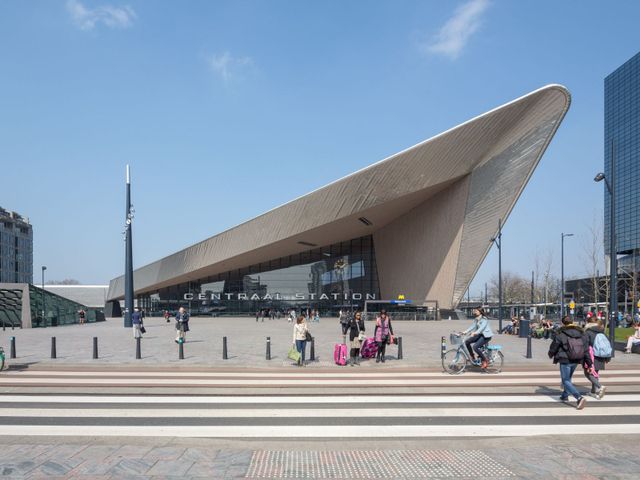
(323, 412)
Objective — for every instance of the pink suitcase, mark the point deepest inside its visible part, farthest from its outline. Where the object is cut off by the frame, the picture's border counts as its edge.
(369, 348)
(340, 354)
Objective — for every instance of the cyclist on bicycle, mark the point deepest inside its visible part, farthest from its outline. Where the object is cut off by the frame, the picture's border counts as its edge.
(480, 335)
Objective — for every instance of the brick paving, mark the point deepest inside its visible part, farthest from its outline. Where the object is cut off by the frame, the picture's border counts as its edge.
(612, 457)
(246, 343)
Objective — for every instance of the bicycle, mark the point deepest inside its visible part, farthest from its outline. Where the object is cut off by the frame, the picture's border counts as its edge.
(456, 360)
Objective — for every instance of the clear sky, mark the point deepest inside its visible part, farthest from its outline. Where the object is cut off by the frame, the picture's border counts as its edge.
(227, 109)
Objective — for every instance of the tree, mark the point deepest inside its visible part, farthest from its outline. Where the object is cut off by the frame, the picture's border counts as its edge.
(593, 255)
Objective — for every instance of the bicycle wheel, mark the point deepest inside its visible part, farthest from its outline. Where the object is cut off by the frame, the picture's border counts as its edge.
(495, 362)
(454, 362)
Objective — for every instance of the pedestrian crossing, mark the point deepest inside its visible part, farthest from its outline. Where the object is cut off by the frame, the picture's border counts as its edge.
(468, 405)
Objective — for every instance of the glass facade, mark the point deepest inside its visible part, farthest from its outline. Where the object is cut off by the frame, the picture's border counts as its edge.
(47, 309)
(16, 248)
(622, 135)
(10, 307)
(321, 278)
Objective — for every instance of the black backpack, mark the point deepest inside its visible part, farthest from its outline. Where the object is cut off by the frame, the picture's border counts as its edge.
(575, 349)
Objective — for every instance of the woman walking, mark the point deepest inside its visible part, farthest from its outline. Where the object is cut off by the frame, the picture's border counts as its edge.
(382, 334)
(592, 329)
(300, 332)
(356, 330)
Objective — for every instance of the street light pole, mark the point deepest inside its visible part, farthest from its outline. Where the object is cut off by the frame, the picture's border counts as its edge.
(498, 241)
(128, 274)
(43, 298)
(562, 235)
(613, 248)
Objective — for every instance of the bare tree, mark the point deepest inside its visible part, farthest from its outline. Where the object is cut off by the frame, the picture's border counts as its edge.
(515, 288)
(593, 255)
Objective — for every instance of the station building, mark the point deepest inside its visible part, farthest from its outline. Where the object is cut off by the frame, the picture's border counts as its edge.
(416, 225)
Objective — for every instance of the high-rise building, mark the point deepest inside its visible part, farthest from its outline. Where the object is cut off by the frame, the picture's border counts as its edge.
(16, 248)
(622, 142)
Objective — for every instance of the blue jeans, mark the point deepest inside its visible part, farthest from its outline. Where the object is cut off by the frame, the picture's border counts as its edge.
(566, 372)
(300, 346)
(477, 341)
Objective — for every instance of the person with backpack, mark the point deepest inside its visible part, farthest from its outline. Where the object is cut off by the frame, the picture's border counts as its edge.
(382, 334)
(600, 353)
(569, 348)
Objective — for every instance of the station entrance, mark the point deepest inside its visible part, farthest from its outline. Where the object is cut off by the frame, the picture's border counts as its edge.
(402, 310)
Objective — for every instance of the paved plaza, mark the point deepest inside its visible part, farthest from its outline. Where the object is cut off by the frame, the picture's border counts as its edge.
(495, 459)
(249, 418)
(246, 343)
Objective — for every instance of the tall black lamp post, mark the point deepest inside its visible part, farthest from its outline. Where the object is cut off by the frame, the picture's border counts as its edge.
(562, 235)
(44, 323)
(613, 248)
(498, 241)
(128, 267)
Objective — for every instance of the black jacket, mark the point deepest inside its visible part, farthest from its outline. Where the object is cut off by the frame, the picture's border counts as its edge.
(355, 327)
(560, 345)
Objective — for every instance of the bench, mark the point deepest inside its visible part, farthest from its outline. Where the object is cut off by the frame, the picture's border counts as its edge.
(620, 346)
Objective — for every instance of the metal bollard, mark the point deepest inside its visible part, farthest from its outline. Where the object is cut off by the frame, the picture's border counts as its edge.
(53, 347)
(138, 352)
(312, 351)
(399, 348)
(181, 350)
(443, 346)
(95, 348)
(13, 347)
(224, 348)
(268, 356)
(529, 347)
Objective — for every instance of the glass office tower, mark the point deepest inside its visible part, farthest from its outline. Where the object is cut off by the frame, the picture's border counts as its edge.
(622, 146)
(622, 142)
(16, 248)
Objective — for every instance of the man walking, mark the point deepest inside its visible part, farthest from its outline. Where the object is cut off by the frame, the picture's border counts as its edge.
(569, 348)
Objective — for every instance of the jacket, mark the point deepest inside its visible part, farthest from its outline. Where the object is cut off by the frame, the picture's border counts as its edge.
(591, 330)
(136, 318)
(480, 326)
(558, 350)
(300, 331)
(355, 327)
(383, 329)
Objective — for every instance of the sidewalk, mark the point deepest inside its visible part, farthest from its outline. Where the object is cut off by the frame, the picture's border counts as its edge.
(246, 342)
(613, 457)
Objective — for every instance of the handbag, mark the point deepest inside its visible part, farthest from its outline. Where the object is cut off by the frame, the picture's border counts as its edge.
(294, 354)
(307, 337)
(142, 329)
(362, 337)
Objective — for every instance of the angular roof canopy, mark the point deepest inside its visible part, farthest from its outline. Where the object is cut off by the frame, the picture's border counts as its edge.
(446, 194)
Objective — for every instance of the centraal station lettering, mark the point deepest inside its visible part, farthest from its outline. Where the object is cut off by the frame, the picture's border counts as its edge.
(297, 296)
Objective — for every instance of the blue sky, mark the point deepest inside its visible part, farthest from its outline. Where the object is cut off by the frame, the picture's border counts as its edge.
(227, 109)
